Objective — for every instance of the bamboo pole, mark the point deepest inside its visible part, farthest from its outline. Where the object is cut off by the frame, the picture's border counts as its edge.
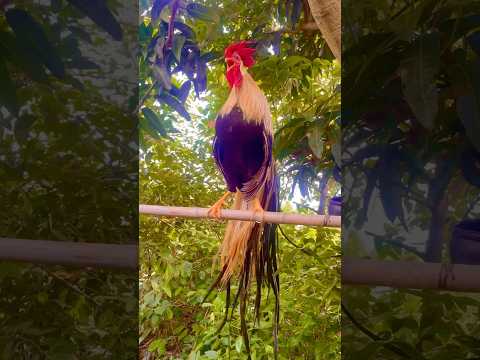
(364, 272)
(267, 216)
(410, 275)
(70, 253)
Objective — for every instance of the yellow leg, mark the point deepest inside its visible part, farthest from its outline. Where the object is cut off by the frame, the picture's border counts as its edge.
(214, 211)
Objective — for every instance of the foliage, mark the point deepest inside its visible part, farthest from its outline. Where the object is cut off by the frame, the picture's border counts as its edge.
(67, 153)
(425, 90)
(176, 272)
(409, 145)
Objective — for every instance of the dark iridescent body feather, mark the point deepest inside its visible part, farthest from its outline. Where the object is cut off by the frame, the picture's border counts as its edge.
(241, 149)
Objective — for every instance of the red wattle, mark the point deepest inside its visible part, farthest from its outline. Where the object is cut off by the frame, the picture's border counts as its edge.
(234, 76)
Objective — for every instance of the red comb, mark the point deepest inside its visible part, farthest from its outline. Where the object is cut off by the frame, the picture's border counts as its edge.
(243, 50)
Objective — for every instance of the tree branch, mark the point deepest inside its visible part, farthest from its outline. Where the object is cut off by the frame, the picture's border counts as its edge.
(302, 249)
(371, 335)
(144, 98)
(397, 244)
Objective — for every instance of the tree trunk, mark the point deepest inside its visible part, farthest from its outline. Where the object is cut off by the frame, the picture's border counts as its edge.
(433, 252)
(440, 187)
(323, 188)
(327, 15)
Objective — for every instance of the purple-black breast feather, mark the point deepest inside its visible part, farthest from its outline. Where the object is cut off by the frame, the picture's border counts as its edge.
(241, 149)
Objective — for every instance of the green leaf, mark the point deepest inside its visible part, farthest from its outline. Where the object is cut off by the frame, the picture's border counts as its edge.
(468, 109)
(144, 32)
(144, 125)
(154, 121)
(16, 53)
(239, 344)
(187, 269)
(23, 125)
(294, 60)
(406, 24)
(149, 298)
(169, 314)
(418, 73)
(62, 349)
(178, 42)
(42, 297)
(315, 141)
(174, 103)
(337, 153)
(158, 346)
(163, 76)
(390, 193)
(202, 12)
(369, 351)
(166, 289)
(32, 36)
(468, 105)
(13, 270)
(211, 354)
(194, 355)
(100, 15)
(8, 96)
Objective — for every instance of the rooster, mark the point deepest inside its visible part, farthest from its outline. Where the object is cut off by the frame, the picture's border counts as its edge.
(242, 148)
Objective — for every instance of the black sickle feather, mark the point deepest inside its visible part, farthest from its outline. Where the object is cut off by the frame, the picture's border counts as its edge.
(215, 284)
(243, 323)
(227, 305)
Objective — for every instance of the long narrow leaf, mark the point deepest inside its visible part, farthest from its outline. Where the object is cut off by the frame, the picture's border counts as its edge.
(168, 99)
(98, 11)
(8, 96)
(30, 33)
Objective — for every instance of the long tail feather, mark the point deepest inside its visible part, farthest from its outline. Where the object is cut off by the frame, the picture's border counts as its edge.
(269, 258)
(238, 235)
(227, 307)
(214, 285)
(249, 250)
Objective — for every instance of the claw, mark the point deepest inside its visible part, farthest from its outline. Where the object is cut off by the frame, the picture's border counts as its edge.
(215, 210)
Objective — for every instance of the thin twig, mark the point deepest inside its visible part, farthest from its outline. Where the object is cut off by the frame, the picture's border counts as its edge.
(307, 207)
(401, 11)
(373, 336)
(144, 97)
(471, 207)
(73, 287)
(302, 249)
(290, 241)
(397, 244)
